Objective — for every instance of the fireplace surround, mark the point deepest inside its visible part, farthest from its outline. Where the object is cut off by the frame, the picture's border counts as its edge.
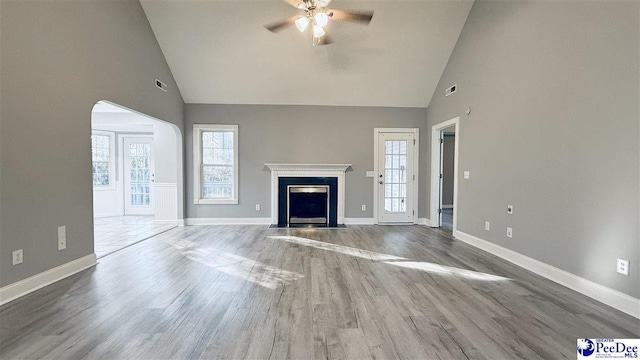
(306, 201)
(287, 176)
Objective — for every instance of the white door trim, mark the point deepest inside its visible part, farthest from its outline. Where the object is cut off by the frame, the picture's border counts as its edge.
(436, 132)
(416, 161)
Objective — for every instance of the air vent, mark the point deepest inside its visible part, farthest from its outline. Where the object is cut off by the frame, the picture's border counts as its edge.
(160, 85)
(451, 90)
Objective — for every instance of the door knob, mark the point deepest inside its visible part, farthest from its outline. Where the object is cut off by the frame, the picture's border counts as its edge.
(380, 182)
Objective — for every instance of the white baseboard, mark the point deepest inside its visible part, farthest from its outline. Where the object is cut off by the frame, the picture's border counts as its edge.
(608, 296)
(181, 222)
(38, 281)
(228, 221)
(359, 221)
(106, 215)
(447, 206)
(168, 222)
(372, 221)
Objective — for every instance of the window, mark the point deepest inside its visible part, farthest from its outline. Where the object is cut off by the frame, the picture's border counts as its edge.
(102, 158)
(215, 153)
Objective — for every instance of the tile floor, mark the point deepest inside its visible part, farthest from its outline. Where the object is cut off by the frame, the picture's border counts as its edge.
(117, 232)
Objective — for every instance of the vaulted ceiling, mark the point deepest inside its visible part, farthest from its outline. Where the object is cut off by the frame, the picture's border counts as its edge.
(220, 52)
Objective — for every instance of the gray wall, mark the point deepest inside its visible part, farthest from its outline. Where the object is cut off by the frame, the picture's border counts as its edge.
(58, 59)
(448, 157)
(553, 87)
(300, 134)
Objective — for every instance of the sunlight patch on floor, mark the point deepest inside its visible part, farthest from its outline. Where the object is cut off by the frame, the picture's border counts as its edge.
(235, 265)
(369, 255)
(392, 259)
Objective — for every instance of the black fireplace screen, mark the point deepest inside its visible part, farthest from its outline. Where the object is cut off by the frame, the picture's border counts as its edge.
(308, 204)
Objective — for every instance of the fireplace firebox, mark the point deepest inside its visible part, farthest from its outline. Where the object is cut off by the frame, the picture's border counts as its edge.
(308, 205)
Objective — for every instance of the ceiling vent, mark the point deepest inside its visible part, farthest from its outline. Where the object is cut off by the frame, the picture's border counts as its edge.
(449, 91)
(160, 85)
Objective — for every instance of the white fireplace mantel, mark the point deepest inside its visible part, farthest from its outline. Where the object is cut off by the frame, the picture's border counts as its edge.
(307, 167)
(306, 170)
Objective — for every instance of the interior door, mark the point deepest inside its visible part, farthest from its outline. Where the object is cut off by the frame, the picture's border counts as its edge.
(138, 176)
(395, 177)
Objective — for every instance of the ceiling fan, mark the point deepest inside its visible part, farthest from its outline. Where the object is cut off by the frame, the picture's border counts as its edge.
(317, 15)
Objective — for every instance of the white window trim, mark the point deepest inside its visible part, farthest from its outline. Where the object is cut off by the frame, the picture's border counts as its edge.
(112, 161)
(197, 161)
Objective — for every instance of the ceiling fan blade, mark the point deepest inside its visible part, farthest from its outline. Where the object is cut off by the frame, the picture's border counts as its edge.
(360, 16)
(277, 26)
(298, 4)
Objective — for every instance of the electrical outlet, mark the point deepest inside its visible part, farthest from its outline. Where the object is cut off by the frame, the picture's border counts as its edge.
(510, 209)
(257, 207)
(487, 225)
(623, 267)
(509, 232)
(364, 207)
(17, 257)
(466, 174)
(62, 237)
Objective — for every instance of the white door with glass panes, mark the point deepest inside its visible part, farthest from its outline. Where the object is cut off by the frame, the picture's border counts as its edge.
(138, 176)
(395, 178)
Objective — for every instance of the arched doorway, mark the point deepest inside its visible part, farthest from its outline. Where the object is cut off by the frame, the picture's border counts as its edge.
(136, 174)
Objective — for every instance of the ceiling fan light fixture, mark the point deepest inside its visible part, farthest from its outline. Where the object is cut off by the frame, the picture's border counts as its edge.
(321, 18)
(316, 13)
(302, 23)
(318, 31)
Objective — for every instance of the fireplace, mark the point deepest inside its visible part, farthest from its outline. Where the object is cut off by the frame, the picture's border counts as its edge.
(307, 201)
(307, 205)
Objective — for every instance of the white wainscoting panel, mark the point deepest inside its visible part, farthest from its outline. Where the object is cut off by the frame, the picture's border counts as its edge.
(165, 203)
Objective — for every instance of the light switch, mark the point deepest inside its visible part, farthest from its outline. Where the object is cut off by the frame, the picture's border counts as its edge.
(466, 174)
(370, 174)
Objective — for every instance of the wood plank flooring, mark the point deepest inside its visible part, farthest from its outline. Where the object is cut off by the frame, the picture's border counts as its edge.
(234, 292)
